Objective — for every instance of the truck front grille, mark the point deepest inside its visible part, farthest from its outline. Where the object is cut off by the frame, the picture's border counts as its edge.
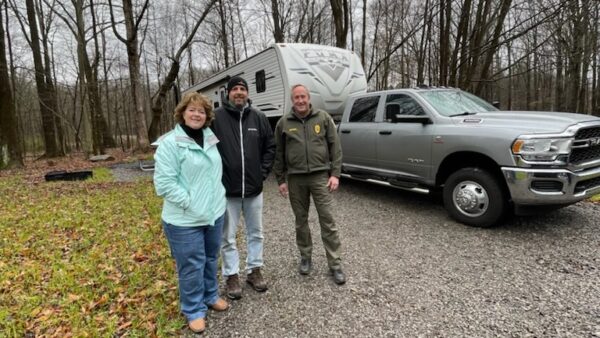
(547, 186)
(591, 151)
(588, 184)
(586, 133)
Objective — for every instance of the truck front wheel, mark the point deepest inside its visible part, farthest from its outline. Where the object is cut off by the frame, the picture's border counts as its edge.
(474, 197)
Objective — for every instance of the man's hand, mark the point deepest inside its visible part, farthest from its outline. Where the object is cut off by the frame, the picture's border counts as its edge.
(283, 189)
(332, 184)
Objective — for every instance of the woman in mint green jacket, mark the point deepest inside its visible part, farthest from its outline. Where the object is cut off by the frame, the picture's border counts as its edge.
(187, 175)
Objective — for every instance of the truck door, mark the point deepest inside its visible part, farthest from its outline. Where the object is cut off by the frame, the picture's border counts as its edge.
(358, 136)
(404, 140)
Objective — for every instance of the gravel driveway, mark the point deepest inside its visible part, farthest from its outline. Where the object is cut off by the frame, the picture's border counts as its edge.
(412, 271)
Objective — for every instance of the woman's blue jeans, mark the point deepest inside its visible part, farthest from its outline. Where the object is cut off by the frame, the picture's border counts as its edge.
(196, 253)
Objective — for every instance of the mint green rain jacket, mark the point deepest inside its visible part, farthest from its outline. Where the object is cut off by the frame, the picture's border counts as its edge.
(188, 177)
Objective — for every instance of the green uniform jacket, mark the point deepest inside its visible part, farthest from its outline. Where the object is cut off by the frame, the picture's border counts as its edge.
(306, 145)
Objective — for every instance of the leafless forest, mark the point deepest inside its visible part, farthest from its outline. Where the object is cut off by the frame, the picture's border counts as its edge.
(86, 75)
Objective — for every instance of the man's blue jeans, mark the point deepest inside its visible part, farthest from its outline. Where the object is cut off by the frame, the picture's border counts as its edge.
(252, 210)
(196, 253)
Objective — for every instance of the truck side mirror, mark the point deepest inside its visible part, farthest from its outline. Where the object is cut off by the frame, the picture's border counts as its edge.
(496, 104)
(393, 114)
(392, 111)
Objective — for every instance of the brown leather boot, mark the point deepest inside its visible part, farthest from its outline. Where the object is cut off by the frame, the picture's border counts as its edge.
(197, 325)
(220, 305)
(256, 280)
(233, 287)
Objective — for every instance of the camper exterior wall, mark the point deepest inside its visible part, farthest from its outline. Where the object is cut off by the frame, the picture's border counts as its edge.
(331, 74)
(270, 100)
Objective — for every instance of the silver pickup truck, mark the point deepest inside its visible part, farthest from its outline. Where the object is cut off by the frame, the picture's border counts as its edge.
(486, 163)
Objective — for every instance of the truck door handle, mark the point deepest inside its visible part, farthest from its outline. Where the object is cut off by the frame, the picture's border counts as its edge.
(385, 132)
(345, 131)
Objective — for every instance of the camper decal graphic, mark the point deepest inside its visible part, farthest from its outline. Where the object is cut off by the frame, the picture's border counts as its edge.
(332, 62)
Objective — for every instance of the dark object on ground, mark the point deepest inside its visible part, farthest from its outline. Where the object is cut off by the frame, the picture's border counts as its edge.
(63, 175)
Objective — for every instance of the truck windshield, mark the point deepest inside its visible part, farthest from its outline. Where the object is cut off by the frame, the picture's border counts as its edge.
(455, 102)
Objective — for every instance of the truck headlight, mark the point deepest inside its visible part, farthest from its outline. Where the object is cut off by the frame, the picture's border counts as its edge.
(542, 149)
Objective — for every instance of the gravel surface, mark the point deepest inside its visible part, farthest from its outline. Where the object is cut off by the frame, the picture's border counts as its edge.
(412, 271)
(128, 172)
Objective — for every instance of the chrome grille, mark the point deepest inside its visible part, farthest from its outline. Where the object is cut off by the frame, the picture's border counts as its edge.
(585, 185)
(586, 133)
(585, 154)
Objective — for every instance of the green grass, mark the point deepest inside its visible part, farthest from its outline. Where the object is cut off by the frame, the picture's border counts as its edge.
(595, 198)
(102, 175)
(84, 259)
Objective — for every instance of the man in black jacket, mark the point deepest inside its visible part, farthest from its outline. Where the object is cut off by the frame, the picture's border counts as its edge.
(247, 148)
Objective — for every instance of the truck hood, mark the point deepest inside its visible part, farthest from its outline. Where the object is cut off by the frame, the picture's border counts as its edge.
(526, 122)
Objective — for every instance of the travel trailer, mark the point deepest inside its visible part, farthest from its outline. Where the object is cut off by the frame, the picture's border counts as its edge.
(331, 74)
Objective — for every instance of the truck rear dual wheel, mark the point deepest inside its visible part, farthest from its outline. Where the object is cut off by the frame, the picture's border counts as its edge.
(474, 197)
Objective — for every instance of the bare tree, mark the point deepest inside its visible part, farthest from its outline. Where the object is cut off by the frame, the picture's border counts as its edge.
(278, 25)
(131, 41)
(75, 20)
(340, 13)
(167, 83)
(8, 118)
(45, 87)
(222, 10)
(363, 39)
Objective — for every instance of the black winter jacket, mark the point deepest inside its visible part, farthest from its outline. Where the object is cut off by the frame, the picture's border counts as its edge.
(247, 148)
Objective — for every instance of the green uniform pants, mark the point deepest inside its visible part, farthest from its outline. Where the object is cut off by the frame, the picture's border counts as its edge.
(301, 187)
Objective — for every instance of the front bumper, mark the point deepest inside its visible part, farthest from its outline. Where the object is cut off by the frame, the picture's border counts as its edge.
(551, 186)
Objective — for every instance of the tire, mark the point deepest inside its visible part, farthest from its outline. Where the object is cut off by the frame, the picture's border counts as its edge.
(475, 197)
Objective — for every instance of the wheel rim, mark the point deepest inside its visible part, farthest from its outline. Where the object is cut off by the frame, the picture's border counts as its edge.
(470, 198)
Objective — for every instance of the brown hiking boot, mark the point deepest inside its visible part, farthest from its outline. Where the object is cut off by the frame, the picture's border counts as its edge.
(220, 305)
(197, 325)
(233, 287)
(256, 280)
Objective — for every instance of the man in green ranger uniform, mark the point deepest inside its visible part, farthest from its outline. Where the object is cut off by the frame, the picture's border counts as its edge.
(309, 155)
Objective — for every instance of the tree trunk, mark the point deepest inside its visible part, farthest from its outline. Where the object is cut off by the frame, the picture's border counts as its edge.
(460, 44)
(8, 117)
(49, 76)
(47, 98)
(364, 35)
(91, 86)
(160, 96)
(278, 34)
(340, 13)
(423, 46)
(445, 18)
(223, 33)
(133, 59)
(491, 51)
(107, 139)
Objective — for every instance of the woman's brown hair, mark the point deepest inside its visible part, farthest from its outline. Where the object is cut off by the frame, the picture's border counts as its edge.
(195, 98)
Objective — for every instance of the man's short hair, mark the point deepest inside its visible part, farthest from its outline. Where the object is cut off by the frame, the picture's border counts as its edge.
(299, 85)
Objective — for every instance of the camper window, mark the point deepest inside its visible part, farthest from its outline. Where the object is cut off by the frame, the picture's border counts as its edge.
(223, 94)
(261, 84)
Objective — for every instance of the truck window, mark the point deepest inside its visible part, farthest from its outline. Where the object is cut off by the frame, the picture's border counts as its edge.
(408, 105)
(363, 109)
(261, 83)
